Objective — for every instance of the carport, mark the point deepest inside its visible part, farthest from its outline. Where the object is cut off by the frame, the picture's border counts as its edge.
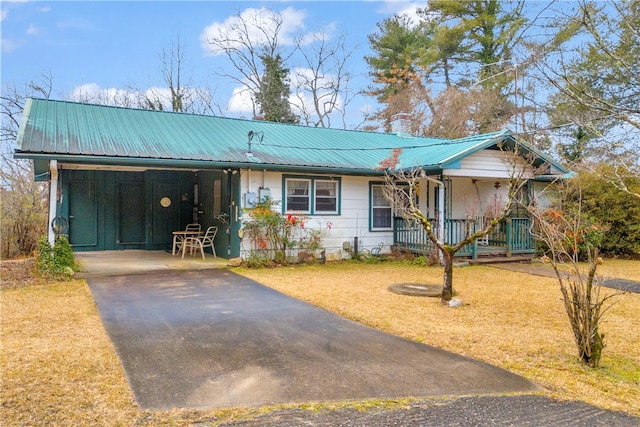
(133, 262)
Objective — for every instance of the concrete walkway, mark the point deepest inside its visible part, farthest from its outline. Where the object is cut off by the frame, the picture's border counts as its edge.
(212, 339)
(117, 263)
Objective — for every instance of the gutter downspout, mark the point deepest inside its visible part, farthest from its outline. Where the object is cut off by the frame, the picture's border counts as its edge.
(53, 196)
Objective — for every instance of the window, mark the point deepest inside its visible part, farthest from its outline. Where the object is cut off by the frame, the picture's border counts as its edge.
(312, 195)
(298, 192)
(326, 196)
(381, 212)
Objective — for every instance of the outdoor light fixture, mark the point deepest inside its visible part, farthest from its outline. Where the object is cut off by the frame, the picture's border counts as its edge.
(251, 135)
(497, 185)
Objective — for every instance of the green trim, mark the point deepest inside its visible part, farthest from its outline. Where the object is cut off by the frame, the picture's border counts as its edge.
(41, 172)
(312, 193)
(456, 164)
(371, 228)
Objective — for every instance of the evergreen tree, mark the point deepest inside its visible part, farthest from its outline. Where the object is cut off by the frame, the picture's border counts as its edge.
(273, 93)
(452, 69)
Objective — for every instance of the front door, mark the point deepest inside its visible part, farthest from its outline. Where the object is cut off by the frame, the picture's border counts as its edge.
(83, 214)
(165, 213)
(131, 219)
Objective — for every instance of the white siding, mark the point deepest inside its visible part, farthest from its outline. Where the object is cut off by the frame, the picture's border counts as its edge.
(474, 197)
(485, 164)
(353, 220)
(545, 195)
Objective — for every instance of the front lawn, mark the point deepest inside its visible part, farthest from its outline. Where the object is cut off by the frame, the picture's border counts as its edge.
(58, 366)
(512, 320)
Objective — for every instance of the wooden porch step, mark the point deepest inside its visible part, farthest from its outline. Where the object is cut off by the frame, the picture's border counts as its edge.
(495, 259)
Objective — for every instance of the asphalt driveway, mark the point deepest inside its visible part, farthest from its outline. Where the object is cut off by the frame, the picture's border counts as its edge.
(211, 339)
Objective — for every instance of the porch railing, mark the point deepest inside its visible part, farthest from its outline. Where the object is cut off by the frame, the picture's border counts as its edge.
(512, 234)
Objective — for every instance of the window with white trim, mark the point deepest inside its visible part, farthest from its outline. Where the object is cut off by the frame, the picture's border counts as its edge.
(312, 195)
(298, 195)
(381, 213)
(326, 196)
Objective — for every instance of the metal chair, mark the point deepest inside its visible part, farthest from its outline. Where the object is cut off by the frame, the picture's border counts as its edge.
(195, 228)
(207, 239)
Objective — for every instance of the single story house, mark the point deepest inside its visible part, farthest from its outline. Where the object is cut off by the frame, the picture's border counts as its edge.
(125, 178)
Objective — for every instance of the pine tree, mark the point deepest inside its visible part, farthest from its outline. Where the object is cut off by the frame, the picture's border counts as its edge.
(274, 91)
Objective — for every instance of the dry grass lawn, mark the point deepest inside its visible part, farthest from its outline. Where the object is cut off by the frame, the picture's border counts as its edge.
(512, 320)
(58, 366)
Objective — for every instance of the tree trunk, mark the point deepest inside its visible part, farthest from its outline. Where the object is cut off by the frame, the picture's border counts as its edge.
(447, 288)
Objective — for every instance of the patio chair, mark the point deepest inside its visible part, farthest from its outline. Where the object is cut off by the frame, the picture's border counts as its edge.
(207, 239)
(179, 239)
(193, 227)
(191, 244)
(484, 240)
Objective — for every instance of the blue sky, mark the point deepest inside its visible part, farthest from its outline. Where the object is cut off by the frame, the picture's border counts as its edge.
(110, 46)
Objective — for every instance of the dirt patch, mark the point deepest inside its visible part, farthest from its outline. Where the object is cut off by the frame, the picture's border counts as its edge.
(19, 273)
(416, 289)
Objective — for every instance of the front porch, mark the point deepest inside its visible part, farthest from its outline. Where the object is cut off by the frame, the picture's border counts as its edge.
(511, 237)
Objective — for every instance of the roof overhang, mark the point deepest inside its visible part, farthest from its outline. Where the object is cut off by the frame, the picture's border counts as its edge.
(142, 164)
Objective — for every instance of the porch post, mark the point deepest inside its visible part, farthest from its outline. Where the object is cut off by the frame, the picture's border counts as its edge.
(441, 220)
(509, 235)
(53, 199)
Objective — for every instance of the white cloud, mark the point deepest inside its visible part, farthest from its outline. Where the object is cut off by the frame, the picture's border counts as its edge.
(408, 8)
(3, 14)
(8, 46)
(260, 27)
(33, 30)
(93, 93)
(44, 9)
(300, 76)
(301, 99)
(240, 100)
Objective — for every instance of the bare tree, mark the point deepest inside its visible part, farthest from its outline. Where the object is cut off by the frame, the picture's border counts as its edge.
(570, 239)
(177, 90)
(92, 94)
(319, 77)
(322, 82)
(457, 113)
(24, 208)
(247, 38)
(598, 84)
(400, 189)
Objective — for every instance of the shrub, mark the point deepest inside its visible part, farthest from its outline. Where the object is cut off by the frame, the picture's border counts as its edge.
(23, 217)
(57, 262)
(570, 237)
(275, 237)
(615, 211)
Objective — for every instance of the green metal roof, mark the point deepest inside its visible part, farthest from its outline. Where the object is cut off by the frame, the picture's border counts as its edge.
(75, 132)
